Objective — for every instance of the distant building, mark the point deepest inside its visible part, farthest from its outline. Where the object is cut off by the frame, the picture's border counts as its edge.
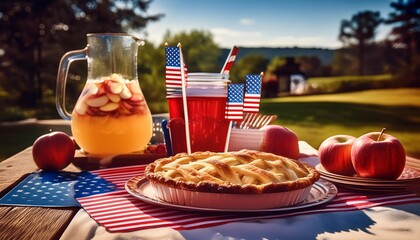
(298, 84)
(285, 80)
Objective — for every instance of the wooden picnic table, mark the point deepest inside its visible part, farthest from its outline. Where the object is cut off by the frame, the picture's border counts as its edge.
(29, 222)
(39, 222)
(43, 222)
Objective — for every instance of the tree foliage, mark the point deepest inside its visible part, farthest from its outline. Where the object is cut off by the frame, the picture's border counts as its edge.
(311, 66)
(249, 64)
(360, 31)
(405, 35)
(200, 54)
(380, 58)
(35, 34)
(406, 30)
(200, 51)
(151, 67)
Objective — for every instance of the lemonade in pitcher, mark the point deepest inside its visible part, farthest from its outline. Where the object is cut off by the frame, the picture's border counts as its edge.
(111, 116)
(111, 108)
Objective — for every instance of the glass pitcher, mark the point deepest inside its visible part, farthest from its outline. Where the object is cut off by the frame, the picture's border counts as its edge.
(111, 116)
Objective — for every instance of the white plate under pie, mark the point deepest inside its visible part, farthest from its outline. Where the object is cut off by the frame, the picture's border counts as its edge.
(321, 192)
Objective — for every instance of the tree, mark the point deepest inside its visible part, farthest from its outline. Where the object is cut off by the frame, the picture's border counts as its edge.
(200, 51)
(276, 63)
(249, 64)
(379, 60)
(151, 67)
(310, 65)
(32, 31)
(360, 31)
(200, 54)
(406, 32)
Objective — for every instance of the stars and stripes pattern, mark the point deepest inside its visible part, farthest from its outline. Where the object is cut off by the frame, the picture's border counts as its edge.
(230, 60)
(234, 105)
(56, 189)
(252, 96)
(173, 69)
(119, 211)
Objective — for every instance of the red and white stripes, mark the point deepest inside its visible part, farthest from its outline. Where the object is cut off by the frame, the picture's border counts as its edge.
(119, 211)
(230, 60)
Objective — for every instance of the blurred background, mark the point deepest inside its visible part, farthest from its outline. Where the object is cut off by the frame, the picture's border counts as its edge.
(330, 66)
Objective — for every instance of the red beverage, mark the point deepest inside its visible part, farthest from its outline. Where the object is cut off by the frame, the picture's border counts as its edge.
(207, 124)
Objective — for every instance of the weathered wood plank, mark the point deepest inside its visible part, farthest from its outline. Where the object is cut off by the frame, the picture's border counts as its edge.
(47, 223)
(34, 222)
(29, 222)
(13, 168)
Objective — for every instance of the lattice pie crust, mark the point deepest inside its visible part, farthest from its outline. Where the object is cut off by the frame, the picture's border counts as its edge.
(244, 172)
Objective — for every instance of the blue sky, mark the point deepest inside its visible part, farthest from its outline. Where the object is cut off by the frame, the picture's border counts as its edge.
(266, 23)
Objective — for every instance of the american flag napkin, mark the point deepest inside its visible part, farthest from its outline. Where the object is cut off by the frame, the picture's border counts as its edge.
(56, 189)
(120, 212)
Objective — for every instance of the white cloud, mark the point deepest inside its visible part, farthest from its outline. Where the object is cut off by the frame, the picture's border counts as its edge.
(305, 41)
(227, 38)
(234, 33)
(246, 21)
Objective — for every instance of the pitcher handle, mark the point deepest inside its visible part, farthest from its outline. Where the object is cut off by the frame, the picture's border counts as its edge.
(63, 70)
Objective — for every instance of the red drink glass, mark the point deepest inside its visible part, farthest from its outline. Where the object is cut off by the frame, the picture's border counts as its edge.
(206, 96)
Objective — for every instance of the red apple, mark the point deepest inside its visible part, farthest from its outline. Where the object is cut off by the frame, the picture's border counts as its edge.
(53, 151)
(335, 154)
(378, 155)
(280, 141)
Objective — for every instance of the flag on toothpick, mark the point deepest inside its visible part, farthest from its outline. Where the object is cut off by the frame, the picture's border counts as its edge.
(234, 106)
(252, 93)
(173, 69)
(184, 98)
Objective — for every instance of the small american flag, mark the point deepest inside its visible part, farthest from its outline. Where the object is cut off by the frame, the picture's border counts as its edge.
(234, 106)
(252, 93)
(173, 68)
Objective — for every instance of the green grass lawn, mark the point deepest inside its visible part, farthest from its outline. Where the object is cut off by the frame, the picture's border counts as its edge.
(314, 118)
(337, 84)
(329, 80)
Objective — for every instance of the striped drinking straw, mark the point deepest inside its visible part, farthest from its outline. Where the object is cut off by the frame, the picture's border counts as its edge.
(230, 60)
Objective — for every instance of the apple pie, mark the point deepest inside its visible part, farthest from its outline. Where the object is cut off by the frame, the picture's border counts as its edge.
(178, 179)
